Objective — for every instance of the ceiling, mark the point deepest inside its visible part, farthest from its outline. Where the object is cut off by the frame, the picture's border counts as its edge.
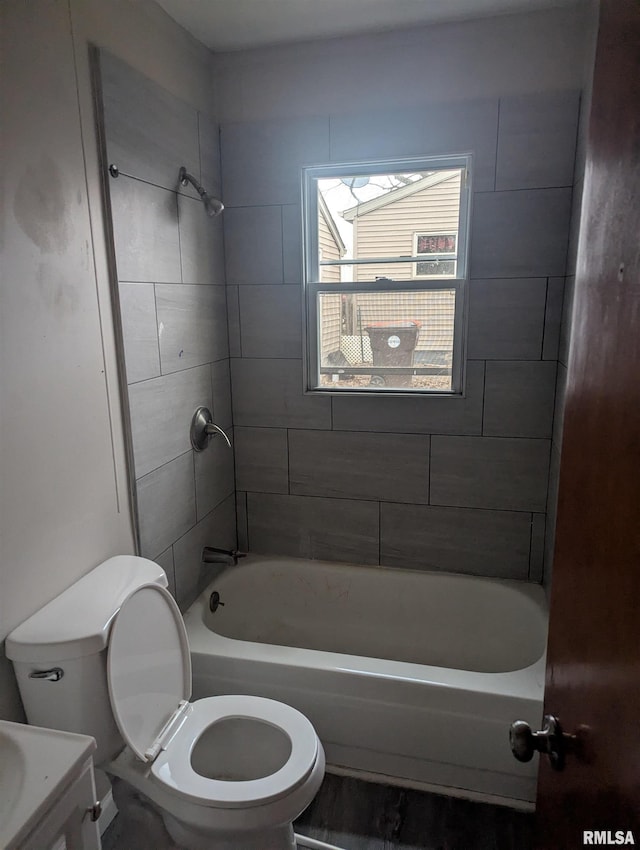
(225, 25)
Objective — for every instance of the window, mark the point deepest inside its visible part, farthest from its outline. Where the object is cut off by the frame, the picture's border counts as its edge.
(441, 245)
(385, 249)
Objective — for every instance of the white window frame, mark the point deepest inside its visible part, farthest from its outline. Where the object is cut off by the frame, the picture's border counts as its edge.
(312, 264)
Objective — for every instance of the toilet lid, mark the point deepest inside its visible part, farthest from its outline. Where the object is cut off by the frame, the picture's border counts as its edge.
(148, 666)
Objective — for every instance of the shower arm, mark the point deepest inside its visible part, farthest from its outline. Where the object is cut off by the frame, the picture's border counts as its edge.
(213, 206)
(185, 178)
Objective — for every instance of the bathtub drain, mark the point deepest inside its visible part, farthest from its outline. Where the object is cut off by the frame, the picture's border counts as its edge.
(214, 601)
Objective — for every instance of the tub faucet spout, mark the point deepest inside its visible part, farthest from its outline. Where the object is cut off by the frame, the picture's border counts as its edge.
(228, 557)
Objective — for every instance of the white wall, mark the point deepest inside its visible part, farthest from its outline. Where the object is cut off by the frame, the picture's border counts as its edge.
(513, 54)
(64, 498)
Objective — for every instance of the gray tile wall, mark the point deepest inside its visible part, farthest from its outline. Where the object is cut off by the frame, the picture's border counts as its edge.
(562, 354)
(173, 311)
(429, 483)
(561, 339)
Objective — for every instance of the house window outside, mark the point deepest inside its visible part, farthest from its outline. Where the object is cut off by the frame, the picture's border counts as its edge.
(385, 248)
(441, 245)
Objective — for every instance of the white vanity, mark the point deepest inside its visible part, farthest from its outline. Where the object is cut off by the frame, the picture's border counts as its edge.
(47, 790)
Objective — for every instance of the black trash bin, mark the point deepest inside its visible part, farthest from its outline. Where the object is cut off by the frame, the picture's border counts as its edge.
(393, 344)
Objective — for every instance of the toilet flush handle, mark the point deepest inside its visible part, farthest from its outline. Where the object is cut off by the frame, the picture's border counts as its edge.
(53, 675)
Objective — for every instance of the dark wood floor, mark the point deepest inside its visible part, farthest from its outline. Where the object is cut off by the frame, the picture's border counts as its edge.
(360, 815)
(357, 815)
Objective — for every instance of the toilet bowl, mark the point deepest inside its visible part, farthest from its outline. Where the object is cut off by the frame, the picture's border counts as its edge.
(225, 772)
(203, 789)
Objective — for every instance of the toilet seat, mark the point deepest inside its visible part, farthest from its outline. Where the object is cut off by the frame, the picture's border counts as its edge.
(174, 770)
(149, 677)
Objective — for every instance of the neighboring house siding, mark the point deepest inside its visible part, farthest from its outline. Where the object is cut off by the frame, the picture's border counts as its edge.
(389, 231)
(329, 251)
(330, 324)
(434, 311)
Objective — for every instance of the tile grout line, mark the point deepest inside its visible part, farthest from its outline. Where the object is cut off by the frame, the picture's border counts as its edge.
(155, 308)
(379, 532)
(361, 499)
(544, 318)
(429, 475)
(239, 321)
(199, 143)
(164, 463)
(447, 434)
(282, 242)
(177, 372)
(208, 514)
(495, 169)
(179, 236)
(195, 486)
(484, 394)
(525, 189)
(530, 547)
(246, 519)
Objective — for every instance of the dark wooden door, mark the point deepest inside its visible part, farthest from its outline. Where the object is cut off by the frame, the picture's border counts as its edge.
(593, 668)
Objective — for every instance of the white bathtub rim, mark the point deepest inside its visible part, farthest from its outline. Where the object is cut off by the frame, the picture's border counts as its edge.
(527, 682)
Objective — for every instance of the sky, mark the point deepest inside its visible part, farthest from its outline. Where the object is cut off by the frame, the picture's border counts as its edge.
(339, 197)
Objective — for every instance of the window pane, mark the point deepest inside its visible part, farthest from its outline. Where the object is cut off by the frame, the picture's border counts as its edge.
(389, 215)
(386, 340)
(436, 268)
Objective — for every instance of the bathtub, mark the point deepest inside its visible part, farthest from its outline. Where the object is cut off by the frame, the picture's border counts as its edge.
(409, 677)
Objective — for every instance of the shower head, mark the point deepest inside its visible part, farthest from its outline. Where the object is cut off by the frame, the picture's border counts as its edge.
(212, 206)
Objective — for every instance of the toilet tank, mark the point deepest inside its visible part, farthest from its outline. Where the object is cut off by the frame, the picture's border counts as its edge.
(68, 638)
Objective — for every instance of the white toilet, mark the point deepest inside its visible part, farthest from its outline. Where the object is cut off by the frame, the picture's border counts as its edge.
(109, 658)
